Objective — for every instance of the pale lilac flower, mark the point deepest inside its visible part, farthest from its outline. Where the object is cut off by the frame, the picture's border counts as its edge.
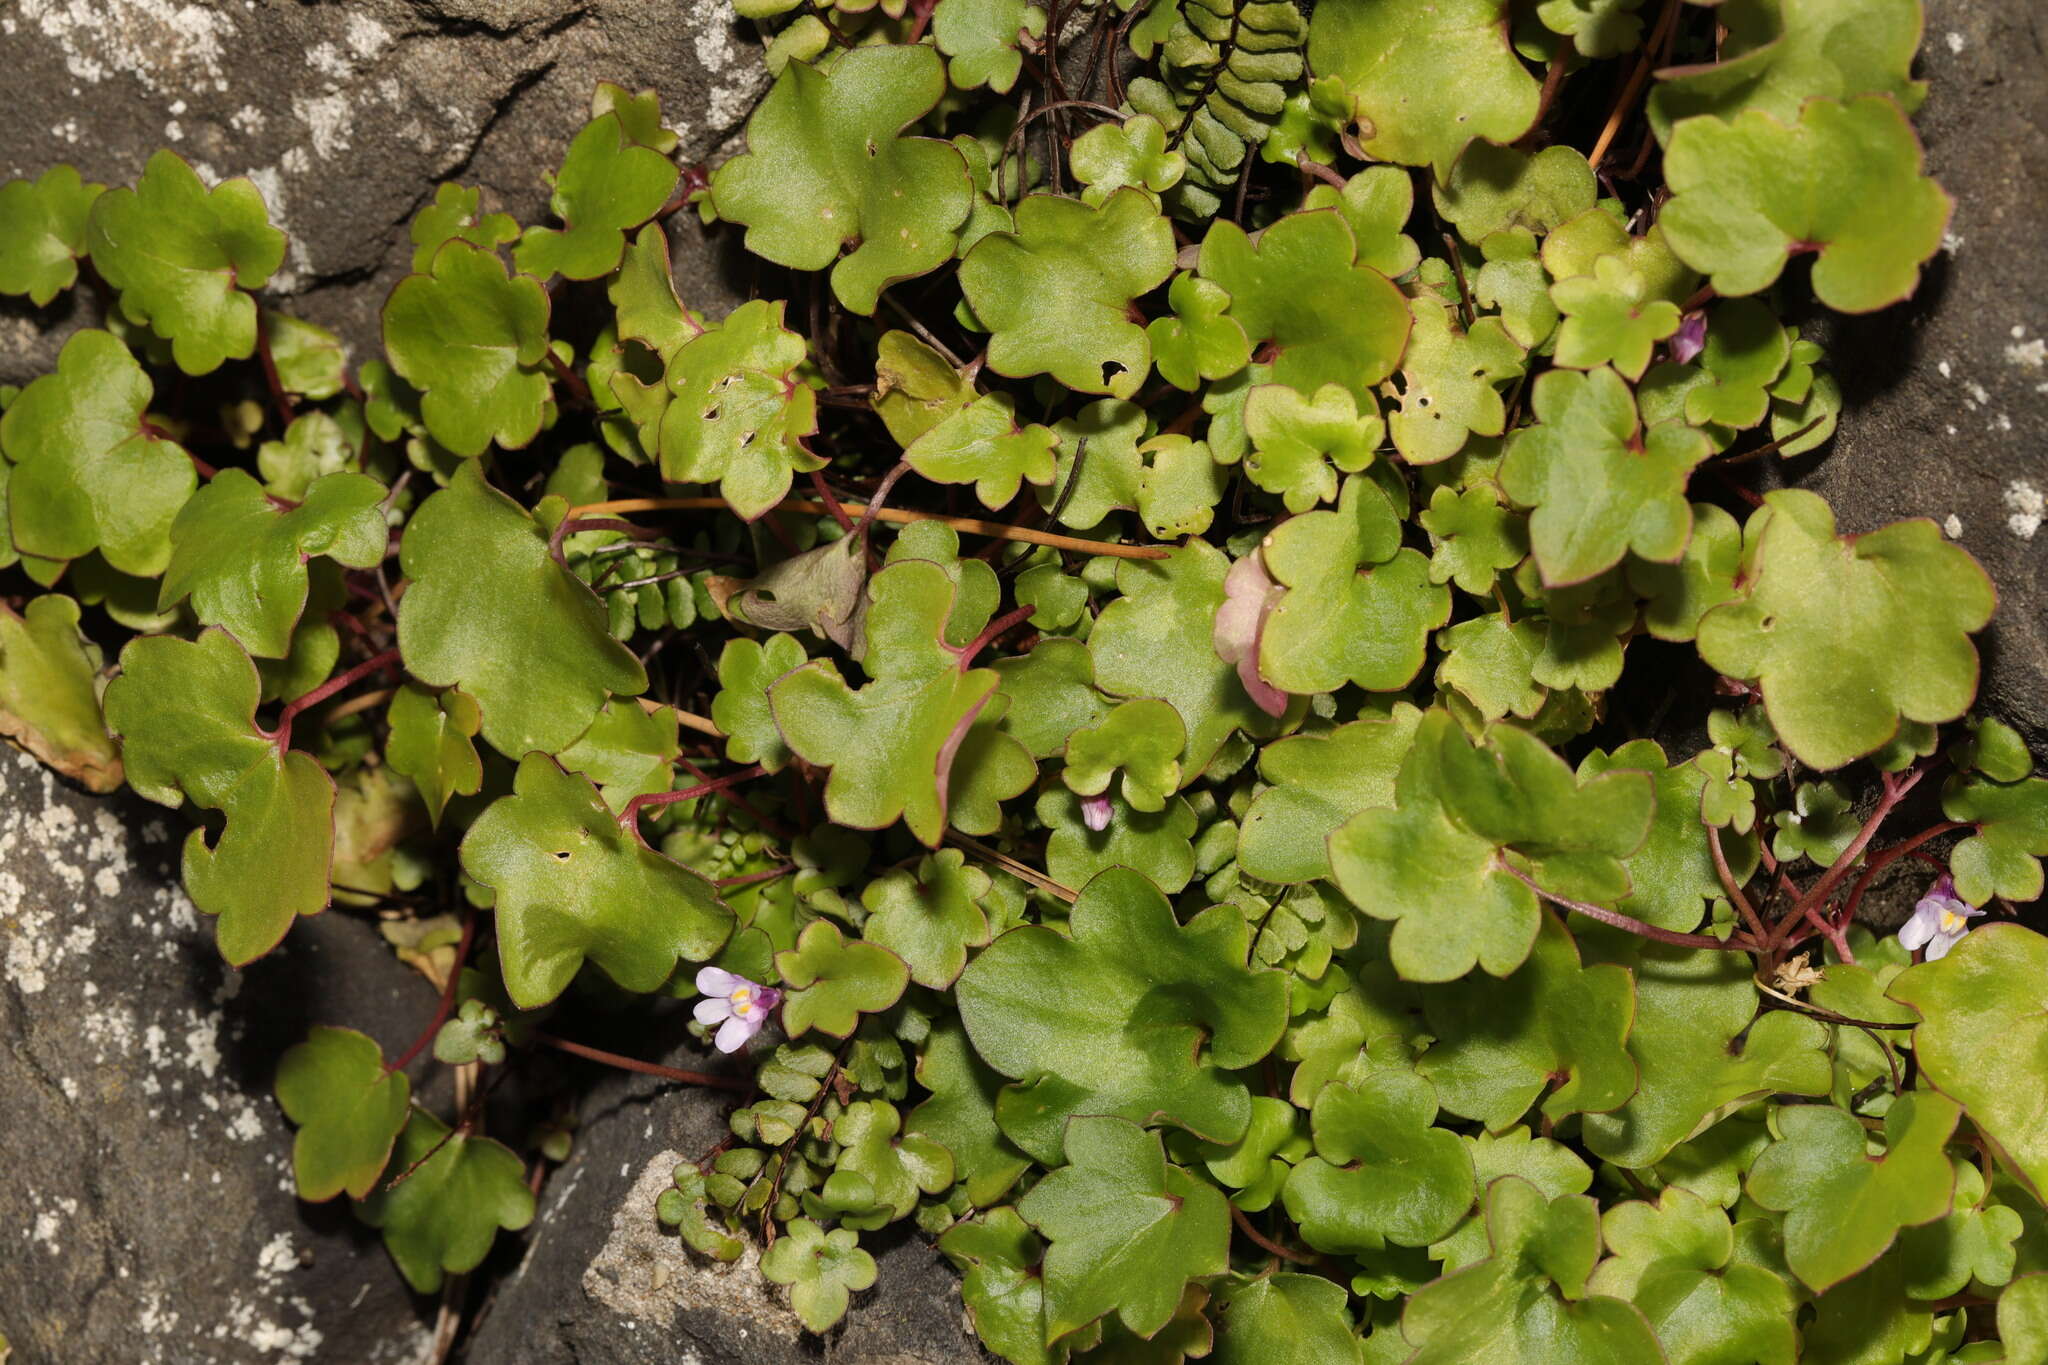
(1690, 339)
(1940, 919)
(1095, 812)
(738, 1006)
(1249, 594)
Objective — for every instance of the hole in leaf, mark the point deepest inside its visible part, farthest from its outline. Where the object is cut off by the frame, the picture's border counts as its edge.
(1110, 370)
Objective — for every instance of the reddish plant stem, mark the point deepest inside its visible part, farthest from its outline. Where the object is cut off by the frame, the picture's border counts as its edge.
(1721, 869)
(879, 499)
(1326, 174)
(201, 467)
(1629, 922)
(279, 399)
(993, 631)
(630, 816)
(1553, 80)
(771, 826)
(831, 500)
(447, 1005)
(751, 878)
(1895, 791)
(1773, 446)
(571, 524)
(1265, 1243)
(579, 392)
(1833, 933)
(667, 1073)
(282, 735)
(1890, 854)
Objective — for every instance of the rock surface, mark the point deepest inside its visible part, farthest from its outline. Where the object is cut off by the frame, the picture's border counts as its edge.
(147, 1209)
(603, 1280)
(346, 115)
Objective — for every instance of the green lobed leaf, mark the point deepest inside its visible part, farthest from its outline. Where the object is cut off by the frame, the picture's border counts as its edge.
(998, 1256)
(1847, 637)
(457, 1191)
(491, 611)
(608, 185)
(1553, 1030)
(737, 410)
(1155, 641)
(1700, 1048)
(241, 558)
(1424, 82)
(1844, 181)
(572, 884)
(1780, 53)
(1127, 1230)
(834, 980)
(1679, 1261)
(1319, 782)
(1286, 1319)
(960, 1115)
(823, 1269)
(983, 445)
(1601, 485)
(90, 472)
(348, 1109)
(457, 213)
(1382, 1173)
(185, 711)
(1055, 293)
(1982, 1037)
(1528, 1301)
(183, 258)
(473, 340)
(1059, 1015)
(2002, 856)
(929, 917)
(42, 232)
(1450, 382)
(1332, 320)
(433, 744)
(1359, 606)
(1843, 1208)
(826, 165)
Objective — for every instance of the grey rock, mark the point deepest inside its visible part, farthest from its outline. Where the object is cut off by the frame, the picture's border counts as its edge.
(147, 1208)
(603, 1281)
(1946, 395)
(346, 115)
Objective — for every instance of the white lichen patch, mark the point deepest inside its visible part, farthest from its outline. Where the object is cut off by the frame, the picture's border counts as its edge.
(2028, 353)
(165, 45)
(328, 120)
(2027, 506)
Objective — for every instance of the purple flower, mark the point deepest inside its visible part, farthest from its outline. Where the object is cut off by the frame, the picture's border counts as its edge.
(1940, 919)
(1095, 812)
(1690, 339)
(738, 1006)
(1249, 594)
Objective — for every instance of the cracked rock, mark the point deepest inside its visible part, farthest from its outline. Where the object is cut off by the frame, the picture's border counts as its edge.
(603, 1280)
(147, 1208)
(347, 115)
